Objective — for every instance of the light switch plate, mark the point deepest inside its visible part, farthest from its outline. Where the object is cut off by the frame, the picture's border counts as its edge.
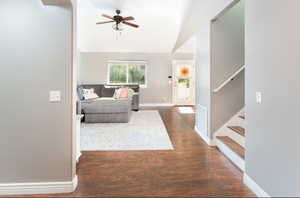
(54, 96)
(258, 97)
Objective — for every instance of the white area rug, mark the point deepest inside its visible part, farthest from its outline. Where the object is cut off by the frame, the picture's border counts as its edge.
(145, 131)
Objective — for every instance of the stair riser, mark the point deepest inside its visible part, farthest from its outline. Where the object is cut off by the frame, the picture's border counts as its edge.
(234, 158)
(237, 122)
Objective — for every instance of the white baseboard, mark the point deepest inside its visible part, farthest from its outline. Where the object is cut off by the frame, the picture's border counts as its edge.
(208, 141)
(157, 105)
(38, 188)
(254, 187)
(237, 160)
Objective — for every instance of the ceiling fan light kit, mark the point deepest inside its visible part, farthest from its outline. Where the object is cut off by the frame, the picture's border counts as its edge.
(118, 27)
(119, 21)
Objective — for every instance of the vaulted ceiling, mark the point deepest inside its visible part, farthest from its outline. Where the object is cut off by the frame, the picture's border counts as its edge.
(160, 22)
(165, 25)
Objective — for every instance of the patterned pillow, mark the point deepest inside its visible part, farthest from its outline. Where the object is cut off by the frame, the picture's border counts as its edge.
(89, 94)
(130, 93)
(88, 91)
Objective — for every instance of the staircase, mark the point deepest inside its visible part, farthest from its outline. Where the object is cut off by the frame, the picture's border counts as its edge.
(230, 140)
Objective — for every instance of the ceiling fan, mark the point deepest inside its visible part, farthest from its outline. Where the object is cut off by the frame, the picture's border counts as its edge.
(118, 20)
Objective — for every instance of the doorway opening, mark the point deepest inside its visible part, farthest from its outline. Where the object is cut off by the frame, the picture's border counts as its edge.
(183, 83)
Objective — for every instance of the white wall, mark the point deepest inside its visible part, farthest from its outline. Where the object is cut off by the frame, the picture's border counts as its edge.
(203, 82)
(93, 70)
(36, 57)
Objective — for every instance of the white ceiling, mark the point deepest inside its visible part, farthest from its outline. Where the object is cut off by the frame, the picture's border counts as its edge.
(197, 20)
(159, 20)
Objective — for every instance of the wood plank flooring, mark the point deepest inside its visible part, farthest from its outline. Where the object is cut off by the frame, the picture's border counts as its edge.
(191, 170)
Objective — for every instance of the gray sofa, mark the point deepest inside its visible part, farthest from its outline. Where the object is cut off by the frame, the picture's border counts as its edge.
(108, 111)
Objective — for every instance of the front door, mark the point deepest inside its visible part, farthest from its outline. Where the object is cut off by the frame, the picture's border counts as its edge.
(183, 82)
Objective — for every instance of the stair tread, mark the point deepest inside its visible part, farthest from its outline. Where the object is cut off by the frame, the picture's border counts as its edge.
(241, 116)
(238, 129)
(235, 147)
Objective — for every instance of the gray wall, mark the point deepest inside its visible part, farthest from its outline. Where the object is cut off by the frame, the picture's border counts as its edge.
(227, 56)
(272, 59)
(228, 43)
(93, 69)
(228, 102)
(35, 58)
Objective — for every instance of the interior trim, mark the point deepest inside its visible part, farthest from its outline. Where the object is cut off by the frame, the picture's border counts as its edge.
(39, 188)
(254, 187)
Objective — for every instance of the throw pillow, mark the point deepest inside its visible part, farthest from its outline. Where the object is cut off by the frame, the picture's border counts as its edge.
(123, 92)
(89, 94)
(87, 91)
(130, 93)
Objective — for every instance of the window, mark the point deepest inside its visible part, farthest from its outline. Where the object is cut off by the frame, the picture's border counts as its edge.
(127, 72)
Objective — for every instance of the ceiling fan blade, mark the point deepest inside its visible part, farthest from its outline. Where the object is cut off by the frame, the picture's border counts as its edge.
(130, 18)
(104, 22)
(109, 17)
(130, 24)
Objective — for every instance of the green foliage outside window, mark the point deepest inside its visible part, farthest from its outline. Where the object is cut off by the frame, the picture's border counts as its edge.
(132, 73)
(118, 74)
(136, 74)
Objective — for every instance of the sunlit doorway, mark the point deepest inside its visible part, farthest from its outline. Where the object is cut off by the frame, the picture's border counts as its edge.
(183, 82)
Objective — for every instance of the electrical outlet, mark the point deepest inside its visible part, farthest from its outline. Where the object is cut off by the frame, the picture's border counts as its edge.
(54, 96)
(258, 97)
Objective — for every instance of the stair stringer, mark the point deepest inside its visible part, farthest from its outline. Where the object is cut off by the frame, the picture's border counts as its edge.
(235, 158)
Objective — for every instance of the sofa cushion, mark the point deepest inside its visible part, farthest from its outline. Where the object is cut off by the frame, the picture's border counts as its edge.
(107, 92)
(107, 106)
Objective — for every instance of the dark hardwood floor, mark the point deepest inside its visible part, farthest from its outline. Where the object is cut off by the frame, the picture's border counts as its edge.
(191, 170)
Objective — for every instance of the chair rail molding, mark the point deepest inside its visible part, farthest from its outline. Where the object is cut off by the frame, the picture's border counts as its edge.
(229, 79)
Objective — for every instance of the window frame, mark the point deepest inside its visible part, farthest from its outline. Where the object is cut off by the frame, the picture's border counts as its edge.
(127, 63)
